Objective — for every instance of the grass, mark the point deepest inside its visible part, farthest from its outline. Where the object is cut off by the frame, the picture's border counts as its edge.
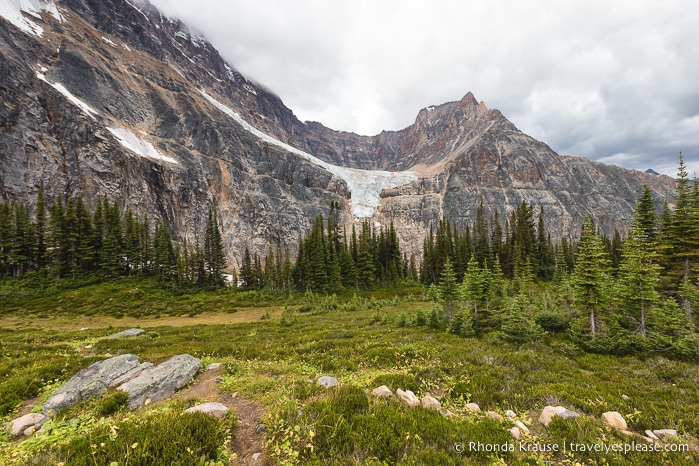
(364, 342)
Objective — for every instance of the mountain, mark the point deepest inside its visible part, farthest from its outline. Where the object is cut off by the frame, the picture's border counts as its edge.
(112, 97)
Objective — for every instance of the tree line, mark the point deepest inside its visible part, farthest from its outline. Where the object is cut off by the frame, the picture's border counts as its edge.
(69, 240)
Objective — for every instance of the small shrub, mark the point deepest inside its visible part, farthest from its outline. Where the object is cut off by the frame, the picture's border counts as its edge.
(112, 403)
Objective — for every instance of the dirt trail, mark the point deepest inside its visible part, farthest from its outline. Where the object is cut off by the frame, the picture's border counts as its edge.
(247, 443)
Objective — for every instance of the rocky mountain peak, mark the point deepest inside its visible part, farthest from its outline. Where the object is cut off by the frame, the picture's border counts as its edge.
(133, 105)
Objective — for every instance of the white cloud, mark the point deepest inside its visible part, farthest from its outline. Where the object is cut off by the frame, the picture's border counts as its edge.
(592, 78)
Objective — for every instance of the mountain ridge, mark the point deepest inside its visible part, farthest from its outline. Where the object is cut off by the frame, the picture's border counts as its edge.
(143, 75)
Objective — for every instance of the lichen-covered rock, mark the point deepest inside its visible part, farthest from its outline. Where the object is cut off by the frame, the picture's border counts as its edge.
(382, 392)
(21, 424)
(408, 398)
(213, 409)
(665, 433)
(132, 332)
(161, 381)
(132, 374)
(89, 382)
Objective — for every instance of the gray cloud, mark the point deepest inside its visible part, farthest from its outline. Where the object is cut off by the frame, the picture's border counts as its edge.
(611, 81)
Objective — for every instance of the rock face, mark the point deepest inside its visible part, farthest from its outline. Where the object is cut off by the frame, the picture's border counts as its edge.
(615, 420)
(132, 332)
(89, 382)
(161, 381)
(134, 106)
(212, 409)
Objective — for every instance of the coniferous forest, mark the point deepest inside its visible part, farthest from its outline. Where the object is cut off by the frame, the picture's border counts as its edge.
(505, 274)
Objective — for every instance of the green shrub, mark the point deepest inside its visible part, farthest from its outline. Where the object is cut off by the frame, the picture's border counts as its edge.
(112, 403)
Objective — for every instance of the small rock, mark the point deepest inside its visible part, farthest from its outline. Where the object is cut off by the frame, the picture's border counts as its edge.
(516, 434)
(615, 420)
(429, 402)
(213, 366)
(509, 414)
(28, 432)
(651, 435)
(624, 397)
(550, 412)
(448, 413)
(407, 397)
(494, 416)
(382, 392)
(627, 432)
(261, 428)
(132, 332)
(256, 456)
(473, 407)
(88, 347)
(108, 355)
(83, 329)
(327, 382)
(21, 424)
(522, 427)
(212, 409)
(665, 433)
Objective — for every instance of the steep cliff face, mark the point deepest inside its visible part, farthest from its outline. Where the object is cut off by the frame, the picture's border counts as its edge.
(111, 97)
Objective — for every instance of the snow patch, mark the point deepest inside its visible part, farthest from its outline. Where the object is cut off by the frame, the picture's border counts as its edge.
(126, 47)
(91, 112)
(109, 42)
(182, 35)
(138, 145)
(249, 88)
(15, 12)
(365, 185)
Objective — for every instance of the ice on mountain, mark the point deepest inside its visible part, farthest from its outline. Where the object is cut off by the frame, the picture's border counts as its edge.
(68, 95)
(16, 11)
(138, 145)
(364, 185)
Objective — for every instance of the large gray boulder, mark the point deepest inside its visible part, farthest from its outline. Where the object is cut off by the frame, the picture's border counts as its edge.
(162, 381)
(89, 382)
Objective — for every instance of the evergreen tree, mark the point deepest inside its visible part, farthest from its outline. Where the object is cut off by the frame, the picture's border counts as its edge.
(214, 257)
(448, 289)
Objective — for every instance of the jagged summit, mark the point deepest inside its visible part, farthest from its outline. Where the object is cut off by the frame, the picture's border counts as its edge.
(112, 97)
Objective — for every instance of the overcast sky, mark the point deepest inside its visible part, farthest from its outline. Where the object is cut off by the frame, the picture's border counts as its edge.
(614, 81)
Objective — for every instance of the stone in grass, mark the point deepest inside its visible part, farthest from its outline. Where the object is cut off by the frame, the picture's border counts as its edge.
(665, 433)
(429, 402)
(515, 432)
(473, 407)
(615, 420)
(522, 427)
(132, 332)
(550, 412)
(213, 366)
(212, 409)
(89, 382)
(509, 414)
(382, 392)
(651, 435)
(327, 382)
(21, 424)
(407, 397)
(162, 381)
(494, 416)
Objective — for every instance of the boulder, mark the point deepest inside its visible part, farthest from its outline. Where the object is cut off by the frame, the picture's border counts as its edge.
(327, 382)
(473, 407)
(509, 414)
(651, 435)
(494, 416)
(615, 420)
(665, 433)
(132, 374)
(429, 402)
(212, 409)
(89, 382)
(382, 392)
(19, 425)
(407, 397)
(132, 332)
(550, 412)
(522, 427)
(515, 432)
(161, 381)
